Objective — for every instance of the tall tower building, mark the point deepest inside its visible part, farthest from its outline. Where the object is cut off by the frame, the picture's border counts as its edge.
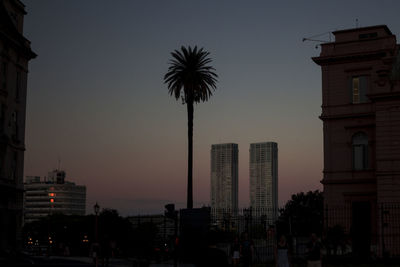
(224, 176)
(264, 179)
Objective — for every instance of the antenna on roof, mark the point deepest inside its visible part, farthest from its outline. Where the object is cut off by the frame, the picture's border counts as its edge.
(59, 163)
(312, 38)
(356, 23)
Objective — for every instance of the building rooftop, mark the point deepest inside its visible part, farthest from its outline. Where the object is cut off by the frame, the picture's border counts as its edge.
(55, 177)
(368, 28)
(363, 33)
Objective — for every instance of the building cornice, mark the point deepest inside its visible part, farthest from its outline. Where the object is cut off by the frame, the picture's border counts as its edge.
(353, 57)
(384, 96)
(353, 194)
(18, 4)
(10, 34)
(347, 116)
(366, 125)
(348, 181)
(385, 27)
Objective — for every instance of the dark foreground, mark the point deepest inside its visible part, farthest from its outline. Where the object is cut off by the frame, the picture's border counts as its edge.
(42, 261)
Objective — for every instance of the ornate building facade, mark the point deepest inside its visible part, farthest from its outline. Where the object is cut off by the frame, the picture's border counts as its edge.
(15, 53)
(361, 125)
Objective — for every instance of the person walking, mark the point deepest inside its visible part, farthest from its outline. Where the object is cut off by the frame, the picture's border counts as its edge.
(247, 250)
(314, 252)
(235, 252)
(282, 253)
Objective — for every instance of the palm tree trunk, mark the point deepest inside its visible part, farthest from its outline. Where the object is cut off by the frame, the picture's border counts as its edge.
(190, 110)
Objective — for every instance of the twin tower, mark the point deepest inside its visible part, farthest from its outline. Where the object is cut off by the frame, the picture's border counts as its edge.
(263, 172)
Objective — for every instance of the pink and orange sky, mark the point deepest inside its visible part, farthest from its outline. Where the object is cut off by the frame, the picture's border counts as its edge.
(97, 101)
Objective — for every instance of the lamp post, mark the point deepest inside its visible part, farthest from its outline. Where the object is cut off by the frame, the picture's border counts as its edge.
(171, 213)
(96, 208)
(247, 214)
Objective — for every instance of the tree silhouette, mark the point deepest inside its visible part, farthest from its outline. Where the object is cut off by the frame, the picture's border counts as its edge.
(302, 214)
(191, 78)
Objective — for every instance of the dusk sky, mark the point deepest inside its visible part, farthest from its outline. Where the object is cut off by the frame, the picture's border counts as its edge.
(97, 101)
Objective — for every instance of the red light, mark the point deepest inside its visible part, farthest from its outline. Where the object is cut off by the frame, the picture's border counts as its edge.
(51, 200)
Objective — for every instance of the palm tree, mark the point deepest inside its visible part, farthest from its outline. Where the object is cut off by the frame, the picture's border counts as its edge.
(191, 78)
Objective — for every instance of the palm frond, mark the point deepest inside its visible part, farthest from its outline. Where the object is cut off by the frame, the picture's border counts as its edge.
(190, 76)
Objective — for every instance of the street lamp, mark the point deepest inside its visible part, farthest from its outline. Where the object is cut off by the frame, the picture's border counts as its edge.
(171, 213)
(96, 208)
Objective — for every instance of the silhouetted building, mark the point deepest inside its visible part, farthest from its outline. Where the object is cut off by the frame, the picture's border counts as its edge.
(165, 226)
(224, 176)
(52, 195)
(264, 179)
(15, 53)
(361, 124)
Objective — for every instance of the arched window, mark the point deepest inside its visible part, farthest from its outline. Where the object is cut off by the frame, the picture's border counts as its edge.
(360, 151)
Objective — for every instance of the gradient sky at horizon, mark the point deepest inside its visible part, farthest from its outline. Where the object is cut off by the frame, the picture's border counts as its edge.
(96, 98)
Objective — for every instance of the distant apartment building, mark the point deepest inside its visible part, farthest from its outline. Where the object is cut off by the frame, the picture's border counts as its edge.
(361, 126)
(224, 176)
(264, 179)
(51, 195)
(165, 225)
(15, 53)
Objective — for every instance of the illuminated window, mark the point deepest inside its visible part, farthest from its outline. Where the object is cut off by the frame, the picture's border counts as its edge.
(359, 86)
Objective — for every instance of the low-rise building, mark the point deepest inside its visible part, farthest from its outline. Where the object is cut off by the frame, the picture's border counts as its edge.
(51, 195)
